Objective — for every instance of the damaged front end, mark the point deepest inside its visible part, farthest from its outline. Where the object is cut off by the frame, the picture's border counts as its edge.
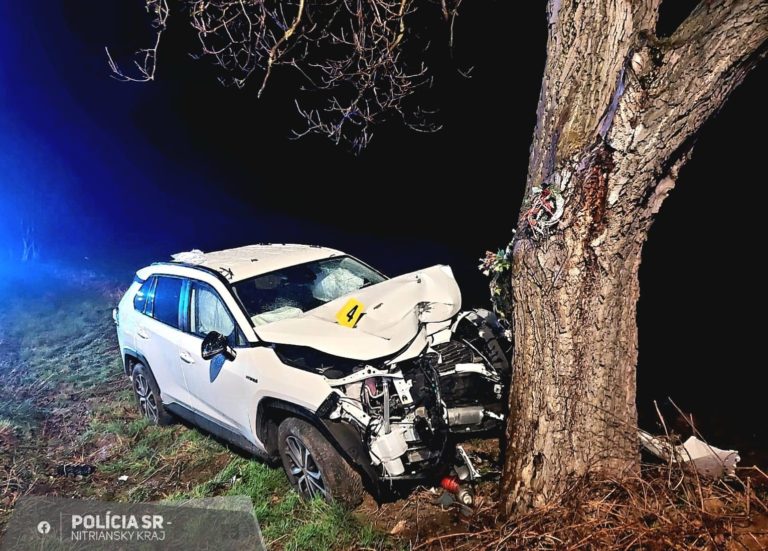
(410, 372)
(412, 413)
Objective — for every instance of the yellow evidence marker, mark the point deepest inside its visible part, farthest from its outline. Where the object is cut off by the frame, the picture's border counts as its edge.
(350, 313)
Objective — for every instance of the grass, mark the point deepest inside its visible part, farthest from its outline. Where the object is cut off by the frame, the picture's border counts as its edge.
(284, 518)
(8, 429)
(286, 521)
(61, 376)
(53, 349)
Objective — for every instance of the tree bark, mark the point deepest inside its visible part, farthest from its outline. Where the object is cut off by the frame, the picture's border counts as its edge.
(618, 111)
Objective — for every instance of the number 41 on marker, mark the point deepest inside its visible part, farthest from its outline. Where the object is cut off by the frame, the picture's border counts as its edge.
(350, 313)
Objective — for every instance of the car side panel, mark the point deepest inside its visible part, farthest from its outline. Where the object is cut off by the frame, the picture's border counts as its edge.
(126, 328)
(159, 344)
(218, 388)
(273, 379)
(257, 373)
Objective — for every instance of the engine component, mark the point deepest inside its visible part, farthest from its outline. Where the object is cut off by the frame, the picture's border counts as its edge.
(387, 450)
(403, 388)
(386, 404)
(451, 484)
(468, 468)
(467, 415)
(411, 413)
(468, 386)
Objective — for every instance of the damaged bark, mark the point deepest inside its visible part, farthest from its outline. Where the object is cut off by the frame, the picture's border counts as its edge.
(618, 111)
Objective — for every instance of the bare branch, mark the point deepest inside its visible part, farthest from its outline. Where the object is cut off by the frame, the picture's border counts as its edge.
(702, 63)
(401, 16)
(146, 59)
(273, 51)
(349, 51)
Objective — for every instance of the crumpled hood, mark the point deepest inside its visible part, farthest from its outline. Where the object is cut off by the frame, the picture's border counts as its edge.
(392, 313)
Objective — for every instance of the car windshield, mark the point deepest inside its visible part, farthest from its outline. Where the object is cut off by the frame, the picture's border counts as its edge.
(292, 291)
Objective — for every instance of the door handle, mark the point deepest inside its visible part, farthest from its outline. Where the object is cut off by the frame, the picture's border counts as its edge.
(186, 357)
(142, 333)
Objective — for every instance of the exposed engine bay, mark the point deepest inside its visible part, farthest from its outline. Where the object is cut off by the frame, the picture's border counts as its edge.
(412, 374)
(412, 413)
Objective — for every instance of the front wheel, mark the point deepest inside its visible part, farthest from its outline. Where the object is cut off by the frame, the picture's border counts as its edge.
(314, 467)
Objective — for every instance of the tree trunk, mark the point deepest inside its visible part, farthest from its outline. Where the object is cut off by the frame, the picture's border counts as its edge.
(617, 113)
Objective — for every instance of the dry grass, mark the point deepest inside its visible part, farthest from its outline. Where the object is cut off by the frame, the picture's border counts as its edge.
(665, 508)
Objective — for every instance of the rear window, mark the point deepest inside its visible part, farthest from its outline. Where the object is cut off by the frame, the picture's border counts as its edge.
(141, 300)
(166, 303)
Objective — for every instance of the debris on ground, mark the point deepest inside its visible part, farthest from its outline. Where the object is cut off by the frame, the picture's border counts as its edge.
(451, 484)
(75, 469)
(399, 527)
(708, 461)
(447, 500)
(644, 512)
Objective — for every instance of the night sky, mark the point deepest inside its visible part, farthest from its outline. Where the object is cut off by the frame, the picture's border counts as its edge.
(125, 174)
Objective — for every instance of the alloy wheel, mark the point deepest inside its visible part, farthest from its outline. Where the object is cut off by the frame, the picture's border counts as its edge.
(147, 400)
(304, 468)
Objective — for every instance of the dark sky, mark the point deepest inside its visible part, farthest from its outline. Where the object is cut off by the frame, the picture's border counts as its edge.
(125, 174)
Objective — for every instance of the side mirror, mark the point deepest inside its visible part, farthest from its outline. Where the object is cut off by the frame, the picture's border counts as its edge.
(214, 344)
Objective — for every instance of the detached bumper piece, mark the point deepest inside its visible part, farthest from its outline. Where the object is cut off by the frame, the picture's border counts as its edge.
(708, 461)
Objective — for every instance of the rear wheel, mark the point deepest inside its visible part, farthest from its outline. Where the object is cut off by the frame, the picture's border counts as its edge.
(314, 467)
(148, 396)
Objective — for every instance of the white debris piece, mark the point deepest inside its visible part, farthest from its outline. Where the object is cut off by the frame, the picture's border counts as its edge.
(399, 527)
(122, 478)
(709, 461)
(195, 256)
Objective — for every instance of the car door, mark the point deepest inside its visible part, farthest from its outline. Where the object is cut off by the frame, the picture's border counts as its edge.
(157, 336)
(217, 387)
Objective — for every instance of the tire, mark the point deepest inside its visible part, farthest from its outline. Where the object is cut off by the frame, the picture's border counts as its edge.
(147, 395)
(314, 468)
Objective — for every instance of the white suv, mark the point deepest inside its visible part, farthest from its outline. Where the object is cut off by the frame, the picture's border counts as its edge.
(305, 353)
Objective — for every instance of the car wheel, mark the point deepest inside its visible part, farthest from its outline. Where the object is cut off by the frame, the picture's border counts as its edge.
(314, 467)
(148, 396)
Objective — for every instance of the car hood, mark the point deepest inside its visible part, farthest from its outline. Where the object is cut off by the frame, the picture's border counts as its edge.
(393, 313)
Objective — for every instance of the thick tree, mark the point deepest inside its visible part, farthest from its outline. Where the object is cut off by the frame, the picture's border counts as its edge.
(618, 113)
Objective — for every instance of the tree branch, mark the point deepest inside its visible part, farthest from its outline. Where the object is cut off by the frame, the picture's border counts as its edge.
(273, 51)
(146, 58)
(702, 63)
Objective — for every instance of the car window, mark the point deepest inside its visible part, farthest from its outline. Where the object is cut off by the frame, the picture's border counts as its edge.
(142, 297)
(291, 291)
(209, 313)
(166, 300)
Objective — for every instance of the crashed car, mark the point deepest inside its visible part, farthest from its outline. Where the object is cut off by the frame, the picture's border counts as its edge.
(352, 379)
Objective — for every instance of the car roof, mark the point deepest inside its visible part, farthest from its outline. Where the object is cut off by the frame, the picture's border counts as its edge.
(252, 260)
